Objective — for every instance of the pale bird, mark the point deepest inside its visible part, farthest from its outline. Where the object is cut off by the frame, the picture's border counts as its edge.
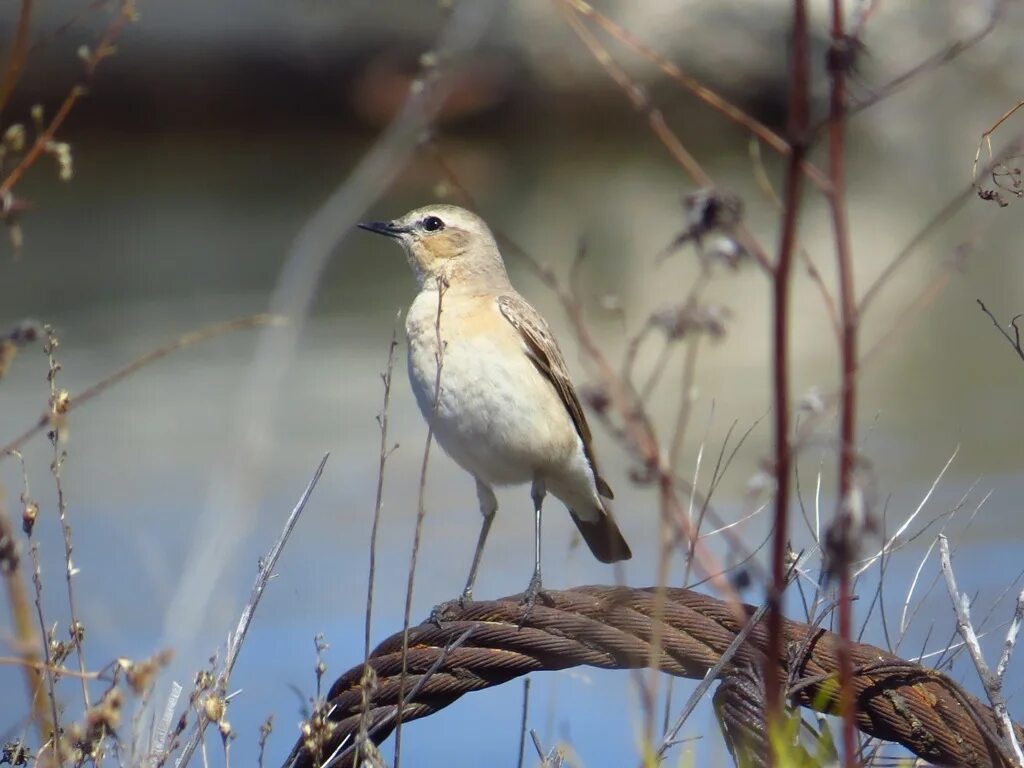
(505, 409)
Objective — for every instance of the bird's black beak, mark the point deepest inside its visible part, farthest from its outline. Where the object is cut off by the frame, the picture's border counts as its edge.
(386, 228)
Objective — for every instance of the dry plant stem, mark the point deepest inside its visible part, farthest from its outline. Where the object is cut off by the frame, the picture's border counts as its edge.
(385, 452)
(986, 140)
(19, 50)
(941, 216)
(187, 340)
(52, 739)
(993, 684)
(27, 641)
(421, 512)
(757, 129)
(848, 368)
(267, 565)
(798, 123)
(56, 469)
(1011, 637)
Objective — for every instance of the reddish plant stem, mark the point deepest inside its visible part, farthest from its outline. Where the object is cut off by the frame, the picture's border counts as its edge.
(848, 369)
(798, 124)
(19, 50)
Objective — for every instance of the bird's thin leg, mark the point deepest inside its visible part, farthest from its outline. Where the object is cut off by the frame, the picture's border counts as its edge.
(488, 507)
(537, 492)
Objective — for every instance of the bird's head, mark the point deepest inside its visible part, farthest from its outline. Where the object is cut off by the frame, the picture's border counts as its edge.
(444, 242)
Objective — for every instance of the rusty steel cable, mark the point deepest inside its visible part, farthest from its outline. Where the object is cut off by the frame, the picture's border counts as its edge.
(483, 645)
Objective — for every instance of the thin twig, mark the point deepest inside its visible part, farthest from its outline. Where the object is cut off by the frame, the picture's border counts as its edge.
(1015, 339)
(421, 512)
(267, 565)
(944, 56)
(385, 452)
(757, 129)
(76, 629)
(655, 120)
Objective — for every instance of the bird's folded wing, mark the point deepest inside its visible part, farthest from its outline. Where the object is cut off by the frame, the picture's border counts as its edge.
(543, 350)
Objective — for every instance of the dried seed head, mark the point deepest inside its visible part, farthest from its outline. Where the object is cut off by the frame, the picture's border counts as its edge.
(29, 513)
(141, 675)
(596, 397)
(679, 321)
(14, 137)
(711, 209)
(813, 402)
(213, 708)
(60, 402)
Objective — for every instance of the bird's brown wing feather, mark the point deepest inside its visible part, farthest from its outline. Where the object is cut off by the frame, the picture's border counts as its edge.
(543, 350)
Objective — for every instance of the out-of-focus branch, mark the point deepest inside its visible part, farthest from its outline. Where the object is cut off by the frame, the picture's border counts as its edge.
(933, 62)
(19, 51)
(781, 279)
(104, 48)
(656, 121)
(756, 128)
(839, 60)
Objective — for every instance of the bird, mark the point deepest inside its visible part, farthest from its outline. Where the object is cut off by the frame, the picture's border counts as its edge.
(491, 381)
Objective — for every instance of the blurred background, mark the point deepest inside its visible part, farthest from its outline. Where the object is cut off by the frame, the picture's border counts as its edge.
(216, 130)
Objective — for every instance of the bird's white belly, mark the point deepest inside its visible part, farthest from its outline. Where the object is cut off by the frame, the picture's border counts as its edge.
(495, 414)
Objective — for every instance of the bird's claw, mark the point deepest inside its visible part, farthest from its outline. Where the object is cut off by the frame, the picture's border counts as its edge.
(449, 609)
(530, 597)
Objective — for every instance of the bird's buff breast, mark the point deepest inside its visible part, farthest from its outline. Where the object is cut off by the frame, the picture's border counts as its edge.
(495, 414)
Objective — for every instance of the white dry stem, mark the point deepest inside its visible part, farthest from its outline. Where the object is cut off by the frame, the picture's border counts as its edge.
(163, 726)
(887, 547)
(993, 683)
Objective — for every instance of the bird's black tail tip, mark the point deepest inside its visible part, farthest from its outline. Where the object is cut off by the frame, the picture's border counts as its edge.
(603, 537)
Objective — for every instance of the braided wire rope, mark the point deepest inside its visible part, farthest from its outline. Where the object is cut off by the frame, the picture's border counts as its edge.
(488, 643)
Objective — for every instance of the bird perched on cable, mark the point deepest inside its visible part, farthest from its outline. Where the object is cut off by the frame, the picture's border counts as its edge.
(503, 405)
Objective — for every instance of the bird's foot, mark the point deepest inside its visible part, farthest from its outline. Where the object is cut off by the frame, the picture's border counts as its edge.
(447, 610)
(530, 596)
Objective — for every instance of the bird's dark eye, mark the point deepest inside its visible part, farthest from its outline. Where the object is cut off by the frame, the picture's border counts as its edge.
(433, 224)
